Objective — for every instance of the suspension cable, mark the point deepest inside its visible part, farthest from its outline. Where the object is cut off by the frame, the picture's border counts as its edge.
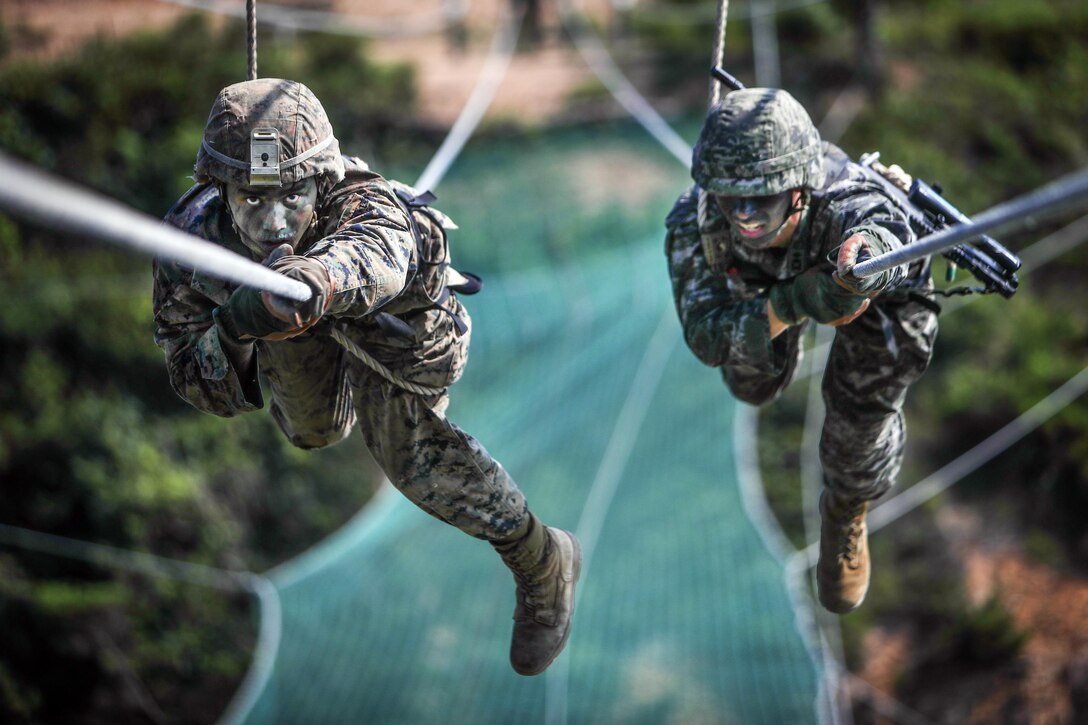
(718, 52)
(62, 206)
(251, 37)
(338, 23)
(503, 45)
(954, 471)
(602, 65)
(1057, 197)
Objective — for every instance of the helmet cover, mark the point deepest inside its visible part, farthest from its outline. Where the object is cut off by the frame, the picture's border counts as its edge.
(249, 121)
(757, 142)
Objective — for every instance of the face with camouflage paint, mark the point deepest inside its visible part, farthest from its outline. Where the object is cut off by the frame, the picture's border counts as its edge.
(267, 217)
(760, 222)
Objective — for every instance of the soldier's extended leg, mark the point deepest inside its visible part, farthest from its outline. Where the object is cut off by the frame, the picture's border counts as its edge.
(448, 474)
(873, 362)
(757, 386)
(311, 397)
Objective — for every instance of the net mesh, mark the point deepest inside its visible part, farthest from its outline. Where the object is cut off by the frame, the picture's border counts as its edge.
(580, 384)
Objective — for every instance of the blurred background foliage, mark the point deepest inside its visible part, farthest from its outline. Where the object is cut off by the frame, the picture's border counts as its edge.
(987, 98)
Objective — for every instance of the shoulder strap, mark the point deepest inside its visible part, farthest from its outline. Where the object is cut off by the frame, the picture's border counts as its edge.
(715, 244)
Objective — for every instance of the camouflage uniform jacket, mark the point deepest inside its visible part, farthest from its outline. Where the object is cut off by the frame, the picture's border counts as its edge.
(364, 236)
(722, 301)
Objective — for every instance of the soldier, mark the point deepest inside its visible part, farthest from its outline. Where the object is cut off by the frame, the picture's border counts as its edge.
(764, 243)
(272, 185)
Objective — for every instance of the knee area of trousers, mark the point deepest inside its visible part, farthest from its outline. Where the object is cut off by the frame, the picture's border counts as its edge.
(314, 440)
(754, 395)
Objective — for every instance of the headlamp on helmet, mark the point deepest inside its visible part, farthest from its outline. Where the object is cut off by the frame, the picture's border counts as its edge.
(264, 157)
(253, 128)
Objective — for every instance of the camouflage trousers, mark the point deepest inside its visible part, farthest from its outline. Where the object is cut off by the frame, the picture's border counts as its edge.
(320, 391)
(872, 363)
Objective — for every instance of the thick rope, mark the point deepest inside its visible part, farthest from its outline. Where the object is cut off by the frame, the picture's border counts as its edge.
(251, 37)
(503, 45)
(294, 18)
(379, 368)
(719, 50)
(60, 205)
(716, 58)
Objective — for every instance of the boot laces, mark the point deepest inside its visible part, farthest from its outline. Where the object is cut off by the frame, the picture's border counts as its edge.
(533, 589)
(852, 541)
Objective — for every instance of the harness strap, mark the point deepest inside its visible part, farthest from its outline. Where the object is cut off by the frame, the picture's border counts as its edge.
(711, 249)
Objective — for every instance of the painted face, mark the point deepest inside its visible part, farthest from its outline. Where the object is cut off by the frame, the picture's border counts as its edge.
(267, 217)
(757, 220)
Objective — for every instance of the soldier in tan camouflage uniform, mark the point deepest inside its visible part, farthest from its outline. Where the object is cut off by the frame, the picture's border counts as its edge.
(273, 186)
(763, 243)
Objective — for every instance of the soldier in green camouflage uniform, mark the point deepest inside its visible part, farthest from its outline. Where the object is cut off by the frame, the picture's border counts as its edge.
(763, 243)
(273, 186)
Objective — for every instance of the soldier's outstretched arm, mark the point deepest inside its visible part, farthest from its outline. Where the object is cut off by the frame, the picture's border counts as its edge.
(721, 327)
(368, 252)
(208, 371)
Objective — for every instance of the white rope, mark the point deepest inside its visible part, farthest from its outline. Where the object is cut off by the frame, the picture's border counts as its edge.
(291, 18)
(503, 45)
(954, 471)
(888, 706)
(602, 65)
(647, 379)
(718, 51)
(706, 12)
(136, 561)
(30, 193)
(379, 368)
(754, 500)
(985, 451)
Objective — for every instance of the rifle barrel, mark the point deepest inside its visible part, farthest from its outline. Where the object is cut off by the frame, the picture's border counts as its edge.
(1051, 200)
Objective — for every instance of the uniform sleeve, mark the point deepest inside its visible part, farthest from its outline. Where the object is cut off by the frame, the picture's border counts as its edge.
(369, 251)
(721, 326)
(870, 213)
(200, 370)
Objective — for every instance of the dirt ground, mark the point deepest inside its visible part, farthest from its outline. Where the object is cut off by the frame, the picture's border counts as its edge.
(535, 87)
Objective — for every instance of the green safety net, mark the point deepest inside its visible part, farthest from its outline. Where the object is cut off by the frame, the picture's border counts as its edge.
(580, 384)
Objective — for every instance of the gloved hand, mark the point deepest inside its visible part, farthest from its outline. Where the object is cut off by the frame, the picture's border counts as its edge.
(861, 246)
(817, 295)
(254, 314)
(301, 315)
(855, 250)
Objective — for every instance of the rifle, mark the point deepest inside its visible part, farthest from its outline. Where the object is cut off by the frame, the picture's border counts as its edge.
(928, 212)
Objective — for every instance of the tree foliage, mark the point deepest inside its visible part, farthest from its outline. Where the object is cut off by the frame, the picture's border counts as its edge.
(94, 444)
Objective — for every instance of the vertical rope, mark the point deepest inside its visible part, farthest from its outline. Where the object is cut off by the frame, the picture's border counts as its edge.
(719, 49)
(251, 28)
(716, 59)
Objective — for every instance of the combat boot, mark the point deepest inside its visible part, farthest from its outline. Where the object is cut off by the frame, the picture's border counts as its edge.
(842, 574)
(546, 563)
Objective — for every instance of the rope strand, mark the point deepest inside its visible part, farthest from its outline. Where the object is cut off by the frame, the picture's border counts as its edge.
(719, 50)
(251, 37)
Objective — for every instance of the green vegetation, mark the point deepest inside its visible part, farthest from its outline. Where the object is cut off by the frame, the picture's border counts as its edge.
(93, 442)
(986, 98)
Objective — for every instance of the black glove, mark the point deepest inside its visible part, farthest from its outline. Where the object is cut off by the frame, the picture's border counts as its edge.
(301, 315)
(251, 313)
(815, 294)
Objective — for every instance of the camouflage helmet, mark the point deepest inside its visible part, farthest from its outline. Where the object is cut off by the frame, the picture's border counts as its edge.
(757, 142)
(268, 132)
